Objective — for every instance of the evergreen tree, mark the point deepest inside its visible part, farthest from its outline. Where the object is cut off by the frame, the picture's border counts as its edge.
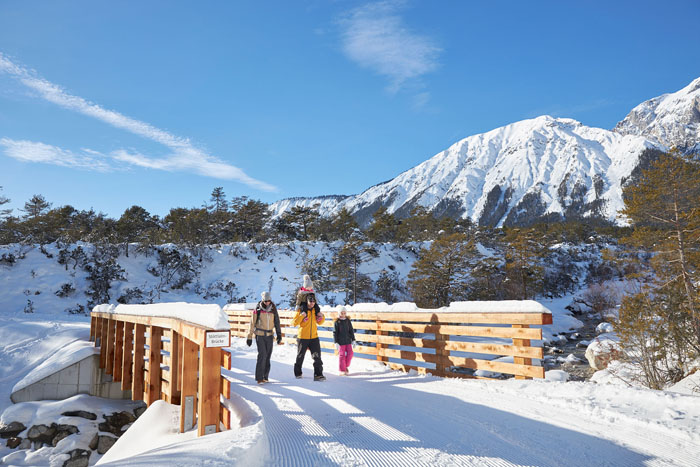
(248, 219)
(187, 226)
(4, 213)
(441, 273)
(35, 207)
(345, 265)
(219, 216)
(342, 226)
(384, 226)
(302, 219)
(523, 263)
(663, 208)
(134, 225)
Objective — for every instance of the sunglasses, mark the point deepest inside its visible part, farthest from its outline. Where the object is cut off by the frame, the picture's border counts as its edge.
(311, 299)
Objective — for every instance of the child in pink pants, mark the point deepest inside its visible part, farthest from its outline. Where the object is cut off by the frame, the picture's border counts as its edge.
(344, 338)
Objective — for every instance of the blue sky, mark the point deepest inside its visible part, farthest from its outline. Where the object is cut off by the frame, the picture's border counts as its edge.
(106, 105)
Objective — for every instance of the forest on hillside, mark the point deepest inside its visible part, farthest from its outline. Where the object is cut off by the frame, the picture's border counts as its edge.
(656, 254)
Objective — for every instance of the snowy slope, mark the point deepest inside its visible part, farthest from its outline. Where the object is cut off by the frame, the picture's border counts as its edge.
(670, 119)
(484, 177)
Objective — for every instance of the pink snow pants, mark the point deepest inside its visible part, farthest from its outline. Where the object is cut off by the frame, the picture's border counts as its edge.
(344, 357)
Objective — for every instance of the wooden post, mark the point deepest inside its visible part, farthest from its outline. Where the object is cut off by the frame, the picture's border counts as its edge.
(139, 349)
(208, 404)
(127, 357)
(524, 343)
(93, 326)
(188, 377)
(109, 361)
(154, 359)
(103, 342)
(441, 353)
(380, 347)
(118, 351)
(175, 343)
(98, 332)
(225, 389)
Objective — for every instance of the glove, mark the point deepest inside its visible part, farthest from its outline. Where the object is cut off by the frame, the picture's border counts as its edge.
(337, 347)
(249, 342)
(279, 340)
(306, 316)
(319, 317)
(354, 344)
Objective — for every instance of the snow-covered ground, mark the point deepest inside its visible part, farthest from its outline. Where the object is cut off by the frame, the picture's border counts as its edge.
(374, 416)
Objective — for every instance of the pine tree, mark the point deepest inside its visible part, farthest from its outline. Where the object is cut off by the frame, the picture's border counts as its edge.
(248, 218)
(663, 208)
(384, 226)
(219, 214)
(441, 273)
(35, 207)
(133, 225)
(523, 263)
(4, 213)
(302, 220)
(345, 265)
(342, 226)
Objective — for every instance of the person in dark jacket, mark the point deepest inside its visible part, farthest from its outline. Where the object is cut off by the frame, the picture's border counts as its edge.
(264, 319)
(344, 338)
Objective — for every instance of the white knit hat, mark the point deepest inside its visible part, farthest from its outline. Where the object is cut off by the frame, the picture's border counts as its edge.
(265, 296)
(308, 285)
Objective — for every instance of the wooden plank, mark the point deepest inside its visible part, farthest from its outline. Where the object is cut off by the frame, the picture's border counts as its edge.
(474, 318)
(497, 367)
(175, 342)
(109, 359)
(225, 383)
(189, 382)
(225, 415)
(477, 331)
(98, 332)
(118, 352)
(524, 343)
(127, 357)
(153, 384)
(408, 355)
(496, 349)
(405, 341)
(208, 389)
(138, 371)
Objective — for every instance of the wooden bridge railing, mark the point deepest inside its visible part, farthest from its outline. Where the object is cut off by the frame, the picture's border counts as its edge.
(433, 339)
(159, 358)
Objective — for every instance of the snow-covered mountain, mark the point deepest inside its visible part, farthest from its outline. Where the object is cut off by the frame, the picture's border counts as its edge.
(529, 169)
(670, 119)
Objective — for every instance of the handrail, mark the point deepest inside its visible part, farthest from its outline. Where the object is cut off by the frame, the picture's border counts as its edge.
(433, 338)
(161, 358)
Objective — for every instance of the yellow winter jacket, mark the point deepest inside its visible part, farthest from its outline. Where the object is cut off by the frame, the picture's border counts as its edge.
(308, 329)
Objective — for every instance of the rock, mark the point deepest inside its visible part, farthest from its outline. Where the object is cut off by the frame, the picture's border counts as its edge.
(25, 444)
(601, 352)
(63, 431)
(104, 443)
(81, 414)
(42, 434)
(138, 411)
(115, 423)
(12, 430)
(13, 442)
(93, 443)
(78, 458)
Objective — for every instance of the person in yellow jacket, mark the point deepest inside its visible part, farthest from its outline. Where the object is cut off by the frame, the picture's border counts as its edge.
(307, 318)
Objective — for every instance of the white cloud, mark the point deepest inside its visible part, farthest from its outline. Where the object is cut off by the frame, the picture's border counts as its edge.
(375, 37)
(30, 151)
(185, 156)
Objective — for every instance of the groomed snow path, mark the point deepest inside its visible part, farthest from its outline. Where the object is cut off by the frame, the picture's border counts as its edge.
(380, 417)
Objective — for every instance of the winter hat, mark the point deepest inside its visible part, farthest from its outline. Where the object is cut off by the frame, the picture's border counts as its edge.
(308, 285)
(265, 296)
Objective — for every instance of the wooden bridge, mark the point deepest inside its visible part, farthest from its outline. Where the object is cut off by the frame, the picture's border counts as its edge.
(180, 362)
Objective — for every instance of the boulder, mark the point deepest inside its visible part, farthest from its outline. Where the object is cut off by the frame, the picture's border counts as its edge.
(78, 458)
(115, 423)
(11, 430)
(601, 352)
(42, 434)
(13, 442)
(104, 443)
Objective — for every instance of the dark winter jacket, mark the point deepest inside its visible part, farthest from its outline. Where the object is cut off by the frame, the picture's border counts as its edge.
(343, 333)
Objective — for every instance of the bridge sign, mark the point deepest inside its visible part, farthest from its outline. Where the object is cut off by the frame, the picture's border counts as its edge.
(218, 339)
